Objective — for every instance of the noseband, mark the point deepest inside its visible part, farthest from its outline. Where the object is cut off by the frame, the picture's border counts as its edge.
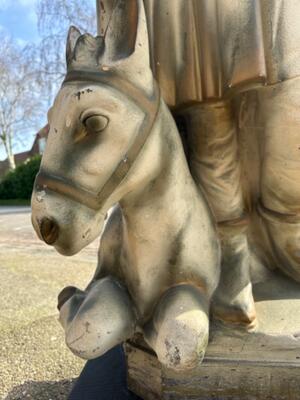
(150, 106)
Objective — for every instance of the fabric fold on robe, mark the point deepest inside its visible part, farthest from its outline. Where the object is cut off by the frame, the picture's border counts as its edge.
(204, 50)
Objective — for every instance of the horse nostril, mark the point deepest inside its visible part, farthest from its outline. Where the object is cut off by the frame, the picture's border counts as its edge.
(49, 230)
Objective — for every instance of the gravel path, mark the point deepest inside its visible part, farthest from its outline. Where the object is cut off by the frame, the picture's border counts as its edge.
(34, 361)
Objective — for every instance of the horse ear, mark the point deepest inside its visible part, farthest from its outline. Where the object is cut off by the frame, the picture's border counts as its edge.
(141, 53)
(72, 38)
(120, 25)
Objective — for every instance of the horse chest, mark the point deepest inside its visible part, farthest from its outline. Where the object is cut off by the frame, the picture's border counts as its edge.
(145, 272)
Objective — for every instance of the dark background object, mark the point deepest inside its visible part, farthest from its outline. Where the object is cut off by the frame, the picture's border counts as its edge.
(104, 378)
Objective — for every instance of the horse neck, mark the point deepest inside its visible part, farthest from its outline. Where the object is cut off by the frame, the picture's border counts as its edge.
(162, 179)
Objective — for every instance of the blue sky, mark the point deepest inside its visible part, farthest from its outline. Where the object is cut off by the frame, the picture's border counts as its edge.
(18, 19)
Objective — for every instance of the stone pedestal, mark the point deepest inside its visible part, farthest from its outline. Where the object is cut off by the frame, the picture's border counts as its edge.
(261, 365)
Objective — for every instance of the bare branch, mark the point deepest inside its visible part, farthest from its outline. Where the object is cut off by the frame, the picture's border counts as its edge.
(20, 105)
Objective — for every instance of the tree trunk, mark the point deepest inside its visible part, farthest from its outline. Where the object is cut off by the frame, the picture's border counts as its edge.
(10, 153)
(7, 143)
(11, 161)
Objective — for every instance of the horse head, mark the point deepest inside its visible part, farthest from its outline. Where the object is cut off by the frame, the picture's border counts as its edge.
(99, 123)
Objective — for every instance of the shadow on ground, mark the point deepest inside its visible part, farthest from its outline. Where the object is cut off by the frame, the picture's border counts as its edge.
(47, 390)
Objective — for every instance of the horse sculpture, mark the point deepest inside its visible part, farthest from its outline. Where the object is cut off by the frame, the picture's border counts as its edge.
(114, 143)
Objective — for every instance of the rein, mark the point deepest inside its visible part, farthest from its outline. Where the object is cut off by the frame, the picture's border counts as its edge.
(150, 105)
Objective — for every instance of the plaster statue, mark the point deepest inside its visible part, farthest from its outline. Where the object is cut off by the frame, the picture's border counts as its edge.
(229, 70)
(112, 140)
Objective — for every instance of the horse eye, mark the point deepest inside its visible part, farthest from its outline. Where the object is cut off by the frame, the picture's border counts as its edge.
(96, 123)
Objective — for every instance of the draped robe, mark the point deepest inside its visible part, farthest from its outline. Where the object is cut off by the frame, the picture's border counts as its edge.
(208, 49)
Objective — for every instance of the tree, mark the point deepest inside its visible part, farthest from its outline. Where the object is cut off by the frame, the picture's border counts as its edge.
(30, 77)
(54, 19)
(20, 100)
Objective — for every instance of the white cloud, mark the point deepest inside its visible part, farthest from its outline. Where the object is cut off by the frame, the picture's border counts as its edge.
(21, 42)
(32, 16)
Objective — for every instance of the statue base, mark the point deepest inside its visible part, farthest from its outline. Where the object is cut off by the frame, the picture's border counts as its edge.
(261, 365)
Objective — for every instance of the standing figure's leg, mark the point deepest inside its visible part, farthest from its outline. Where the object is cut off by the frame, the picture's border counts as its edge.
(98, 319)
(178, 331)
(215, 166)
(279, 114)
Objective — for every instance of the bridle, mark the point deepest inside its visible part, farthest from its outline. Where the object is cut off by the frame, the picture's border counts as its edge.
(150, 105)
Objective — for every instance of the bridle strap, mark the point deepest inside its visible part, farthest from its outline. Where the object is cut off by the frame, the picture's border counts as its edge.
(60, 185)
(150, 105)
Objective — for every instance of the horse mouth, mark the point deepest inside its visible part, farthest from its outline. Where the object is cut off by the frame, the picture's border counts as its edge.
(49, 230)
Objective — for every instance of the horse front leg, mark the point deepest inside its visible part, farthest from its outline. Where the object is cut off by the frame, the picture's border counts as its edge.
(97, 319)
(179, 329)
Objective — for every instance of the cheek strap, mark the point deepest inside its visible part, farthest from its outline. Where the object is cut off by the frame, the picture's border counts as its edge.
(150, 106)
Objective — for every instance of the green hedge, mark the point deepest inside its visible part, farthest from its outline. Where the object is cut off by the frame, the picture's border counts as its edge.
(18, 184)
